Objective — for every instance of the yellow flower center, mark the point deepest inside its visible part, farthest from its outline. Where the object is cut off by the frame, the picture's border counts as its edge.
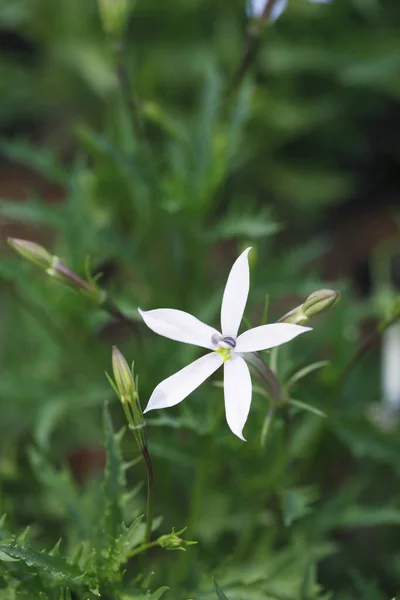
(225, 353)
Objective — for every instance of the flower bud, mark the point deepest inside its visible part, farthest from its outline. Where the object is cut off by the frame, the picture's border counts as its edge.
(63, 273)
(113, 14)
(295, 316)
(320, 301)
(122, 375)
(316, 303)
(126, 389)
(33, 252)
(172, 541)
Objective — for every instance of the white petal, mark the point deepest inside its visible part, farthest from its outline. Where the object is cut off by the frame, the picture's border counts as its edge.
(180, 326)
(174, 389)
(237, 392)
(268, 336)
(235, 295)
(278, 8)
(255, 8)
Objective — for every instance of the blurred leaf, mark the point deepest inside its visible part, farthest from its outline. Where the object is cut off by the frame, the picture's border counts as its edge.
(296, 503)
(305, 371)
(220, 593)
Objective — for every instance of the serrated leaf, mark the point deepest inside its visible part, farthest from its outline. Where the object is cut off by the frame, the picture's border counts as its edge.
(55, 566)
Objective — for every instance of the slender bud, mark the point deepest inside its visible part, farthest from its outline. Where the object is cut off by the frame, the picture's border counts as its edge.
(113, 14)
(316, 303)
(32, 252)
(56, 269)
(63, 273)
(122, 375)
(126, 389)
(172, 541)
(295, 316)
(320, 301)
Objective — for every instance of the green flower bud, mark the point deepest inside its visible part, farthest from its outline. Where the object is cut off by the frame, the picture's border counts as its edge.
(113, 14)
(126, 389)
(172, 541)
(122, 375)
(316, 303)
(296, 316)
(320, 301)
(32, 252)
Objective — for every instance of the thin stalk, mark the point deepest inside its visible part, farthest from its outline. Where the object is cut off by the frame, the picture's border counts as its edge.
(252, 45)
(150, 493)
(143, 548)
(125, 85)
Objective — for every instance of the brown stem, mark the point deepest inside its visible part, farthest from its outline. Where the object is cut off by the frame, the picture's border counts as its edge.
(252, 45)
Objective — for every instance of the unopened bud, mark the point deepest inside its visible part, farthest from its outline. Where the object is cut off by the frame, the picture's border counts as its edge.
(32, 252)
(113, 14)
(295, 316)
(63, 273)
(55, 268)
(126, 389)
(316, 303)
(319, 302)
(173, 541)
(122, 375)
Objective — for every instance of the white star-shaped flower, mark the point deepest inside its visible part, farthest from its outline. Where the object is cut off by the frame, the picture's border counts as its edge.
(256, 7)
(227, 348)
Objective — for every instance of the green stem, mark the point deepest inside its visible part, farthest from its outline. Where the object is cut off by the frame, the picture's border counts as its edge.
(150, 493)
(143, 548)
(126, 89)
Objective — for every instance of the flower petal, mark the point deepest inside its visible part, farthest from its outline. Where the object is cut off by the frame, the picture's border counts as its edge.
(268, 336)
(278, 8)
(235, 296)
(255, 8)
(180, 326)
(174, 389)
(237, 392)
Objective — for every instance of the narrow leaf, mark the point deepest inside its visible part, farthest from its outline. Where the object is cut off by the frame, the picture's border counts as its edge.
(308, 407)
(220, 593)
(306, 371)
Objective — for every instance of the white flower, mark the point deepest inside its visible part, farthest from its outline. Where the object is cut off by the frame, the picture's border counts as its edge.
(227, 348)
(256, 7)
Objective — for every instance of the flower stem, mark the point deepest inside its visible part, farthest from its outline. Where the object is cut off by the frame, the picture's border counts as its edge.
(252, 46)
(144, 548)
(150, 493)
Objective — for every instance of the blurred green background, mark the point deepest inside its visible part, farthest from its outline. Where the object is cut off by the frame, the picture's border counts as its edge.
(299, 160)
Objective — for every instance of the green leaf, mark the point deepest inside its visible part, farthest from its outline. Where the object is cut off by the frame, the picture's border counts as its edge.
(296, 503)
(308, 407)
(55, 566)
(32, 212)
(305, 371)
(114, 479)
(220, 593)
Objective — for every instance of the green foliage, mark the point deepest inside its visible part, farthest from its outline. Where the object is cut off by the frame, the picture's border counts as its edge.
(147, 163)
